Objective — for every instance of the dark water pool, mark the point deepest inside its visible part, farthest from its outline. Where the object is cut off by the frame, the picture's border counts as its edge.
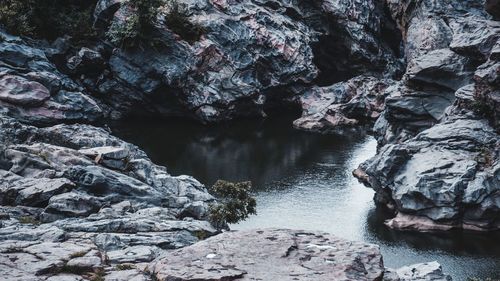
(304, 181)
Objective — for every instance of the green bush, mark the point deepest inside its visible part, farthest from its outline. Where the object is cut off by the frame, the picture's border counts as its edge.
(48, 19)
(139, 27)
(235, 202)
(178, 21)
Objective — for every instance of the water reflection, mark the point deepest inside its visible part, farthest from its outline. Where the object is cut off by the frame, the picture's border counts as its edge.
(262, 152)
(304, 181)
(465, 243)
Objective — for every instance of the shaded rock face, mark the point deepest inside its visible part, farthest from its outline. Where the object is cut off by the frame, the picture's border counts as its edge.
(440, 175)
(251, 52)
(343, 106)
(34, 91)
(439, 150)
(77, 203)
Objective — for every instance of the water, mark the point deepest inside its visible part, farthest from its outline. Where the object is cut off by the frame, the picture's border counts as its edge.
(304, 181)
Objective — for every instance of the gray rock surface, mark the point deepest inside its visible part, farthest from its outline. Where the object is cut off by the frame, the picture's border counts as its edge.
(250, 55)
(272, 254)
(69, 214)
(342, 106)
(282, 254)
(33, 90)
(437, 164)
(430, 271)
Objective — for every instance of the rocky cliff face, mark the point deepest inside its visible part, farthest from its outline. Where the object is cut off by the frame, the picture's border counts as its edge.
(252, 54)
(437, 166)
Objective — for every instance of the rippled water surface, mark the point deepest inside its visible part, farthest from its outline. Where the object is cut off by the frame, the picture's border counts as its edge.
(304, 181)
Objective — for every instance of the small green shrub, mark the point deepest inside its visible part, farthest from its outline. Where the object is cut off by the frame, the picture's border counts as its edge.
(124, 266)
(481, 107)
(235, 202)
(48, 19)
(28, 220)
(138, 28)
(98, 275)
(125, 34)
(200, 234)
(178, 21)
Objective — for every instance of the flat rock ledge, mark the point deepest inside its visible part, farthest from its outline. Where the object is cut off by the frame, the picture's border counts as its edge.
(281, 254)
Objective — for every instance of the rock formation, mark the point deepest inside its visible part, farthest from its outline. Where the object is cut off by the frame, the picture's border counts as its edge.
(438, 162)
(279, 254)
(78, 203)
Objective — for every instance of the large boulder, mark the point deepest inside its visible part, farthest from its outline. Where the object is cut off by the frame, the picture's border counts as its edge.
(62, 189)
(34, 91)
(446, 177)
(269, 254)
(342, 106)
(429, 271)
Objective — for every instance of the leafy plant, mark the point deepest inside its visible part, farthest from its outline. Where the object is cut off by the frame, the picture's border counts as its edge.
(138, 27)
(124, 266)
(178, 21)
(28, 220)
(235, 202)
(48, 19)
(124, 34)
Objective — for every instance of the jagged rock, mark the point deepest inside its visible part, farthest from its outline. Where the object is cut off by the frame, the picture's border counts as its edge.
(111, 157)
(487, 92)
(16, 190)
(444, 178)
(30, 232)
(85, 61)
(441, 67)
(20, 91)
(135, 254)
(248, 50)
(474, 36)
(53, 97)
(342, 106)
(42, 258)
(409, 111)
(85, 262)
(424, 24)
(272, 254)
(71, 204)
(69, 199)
(145, 183)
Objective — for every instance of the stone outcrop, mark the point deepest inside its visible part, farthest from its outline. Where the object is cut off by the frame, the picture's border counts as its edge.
(251, 54)
(34, 91)
(344, 106)
(80, 203)
(437, 166)
(431, 271)
(280, 254)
